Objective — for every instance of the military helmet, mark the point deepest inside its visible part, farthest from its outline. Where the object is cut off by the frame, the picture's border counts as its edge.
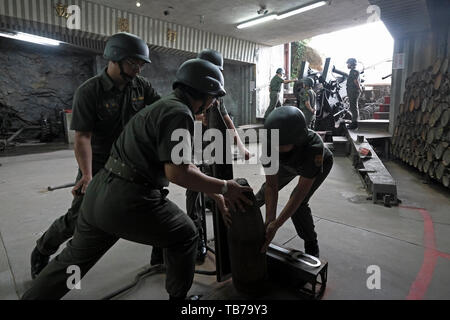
(308, 82)
(352, 61)
(291, 124)
(280, 71)
(213, 56)
(202, 76)
(126, 45)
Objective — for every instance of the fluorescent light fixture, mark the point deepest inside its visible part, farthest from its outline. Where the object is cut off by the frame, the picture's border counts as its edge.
(281, 16)
(256, 21)
(30, 38)
(300, 10)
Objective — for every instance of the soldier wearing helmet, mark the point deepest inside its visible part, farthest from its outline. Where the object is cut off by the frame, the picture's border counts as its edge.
(302, 154)
(127, 198)
(101, 108)
(208, 118)
(306, 100)
(275, 89)
(353, 91)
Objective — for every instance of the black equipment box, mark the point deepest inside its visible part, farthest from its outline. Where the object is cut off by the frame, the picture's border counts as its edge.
(288, 266)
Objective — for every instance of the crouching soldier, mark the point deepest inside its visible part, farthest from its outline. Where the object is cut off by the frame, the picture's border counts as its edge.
(302, 153)
(127, 199)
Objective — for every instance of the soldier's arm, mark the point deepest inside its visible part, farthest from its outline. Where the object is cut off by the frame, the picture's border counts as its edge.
(303, 187)
(190, 177)
(236, 138)
(83, 155)
(83, 122)
(289, 81)
(308, 104)
(271, 197)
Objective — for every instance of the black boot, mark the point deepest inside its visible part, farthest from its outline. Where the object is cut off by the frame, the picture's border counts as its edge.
(352, 126)
(38, 262)
(312, 248)
(157, 256)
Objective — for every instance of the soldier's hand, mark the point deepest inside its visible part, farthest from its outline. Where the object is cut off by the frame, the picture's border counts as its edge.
(235, 195)
(201, 117)
(220, 201)
(271, 229)
(81, 186)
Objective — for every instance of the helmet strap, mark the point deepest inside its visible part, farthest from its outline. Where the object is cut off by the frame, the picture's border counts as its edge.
(124, 76)
(202, 108)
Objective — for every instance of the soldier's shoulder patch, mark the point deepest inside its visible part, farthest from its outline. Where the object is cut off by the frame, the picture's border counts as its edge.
(318, 160)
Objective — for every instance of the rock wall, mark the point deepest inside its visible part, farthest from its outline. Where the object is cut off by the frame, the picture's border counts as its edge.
(38, 80)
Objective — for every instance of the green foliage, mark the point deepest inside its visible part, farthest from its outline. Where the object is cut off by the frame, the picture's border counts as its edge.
(298, 50)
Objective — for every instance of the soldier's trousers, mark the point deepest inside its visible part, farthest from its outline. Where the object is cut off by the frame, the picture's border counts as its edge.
(309, 116)
(274, 103)
(353, 100)
(302, 218)
(114, 208)
(62, 228)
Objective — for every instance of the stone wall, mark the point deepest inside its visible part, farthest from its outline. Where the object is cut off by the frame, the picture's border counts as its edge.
(38, 80)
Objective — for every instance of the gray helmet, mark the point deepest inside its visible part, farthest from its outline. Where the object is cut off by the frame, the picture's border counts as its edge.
(308, 82)
(280, 71)
(202, 76)
(126, 45)
(213, 56)
(291, 124)
(352, 61)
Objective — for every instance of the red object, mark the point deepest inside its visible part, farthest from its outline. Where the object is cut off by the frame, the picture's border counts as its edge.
(365, 152)
(67, 110)
(387, 100)
(384, 107)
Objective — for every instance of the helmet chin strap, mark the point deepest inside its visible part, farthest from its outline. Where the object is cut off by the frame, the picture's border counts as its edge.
(202, 108)
(124, 76)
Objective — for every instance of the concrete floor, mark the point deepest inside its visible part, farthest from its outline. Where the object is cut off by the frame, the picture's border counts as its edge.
(410, 246)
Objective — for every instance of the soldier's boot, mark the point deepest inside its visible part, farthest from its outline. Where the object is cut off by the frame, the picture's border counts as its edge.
(38, 262)
(157, 256)
(353, 125)
(312, 248)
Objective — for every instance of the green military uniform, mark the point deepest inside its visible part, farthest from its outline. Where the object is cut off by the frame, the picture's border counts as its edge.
(312, 160)
(275, 88)
(307, 95)
(101, 108)
(127, 200)
(193, 205)
(353, 94)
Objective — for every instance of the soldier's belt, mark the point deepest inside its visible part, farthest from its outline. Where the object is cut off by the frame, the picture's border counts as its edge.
(124, 171)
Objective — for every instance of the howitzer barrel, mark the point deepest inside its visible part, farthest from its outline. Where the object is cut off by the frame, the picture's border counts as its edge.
(342, 73)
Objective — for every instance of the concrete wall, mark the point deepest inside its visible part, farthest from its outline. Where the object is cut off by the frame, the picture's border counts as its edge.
(268, 60)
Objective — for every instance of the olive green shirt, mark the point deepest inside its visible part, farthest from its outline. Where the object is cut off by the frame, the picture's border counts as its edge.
(307, 160)
(275, 84)
(101, 108)
(146, 142)
(307, 95)
(351, 87)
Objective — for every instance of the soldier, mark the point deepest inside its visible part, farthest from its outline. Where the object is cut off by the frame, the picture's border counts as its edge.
(193, 204)
(303, 154)
(353, 92)
(101, 108)
(274, 89)
(306, 100)
(127, 199)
